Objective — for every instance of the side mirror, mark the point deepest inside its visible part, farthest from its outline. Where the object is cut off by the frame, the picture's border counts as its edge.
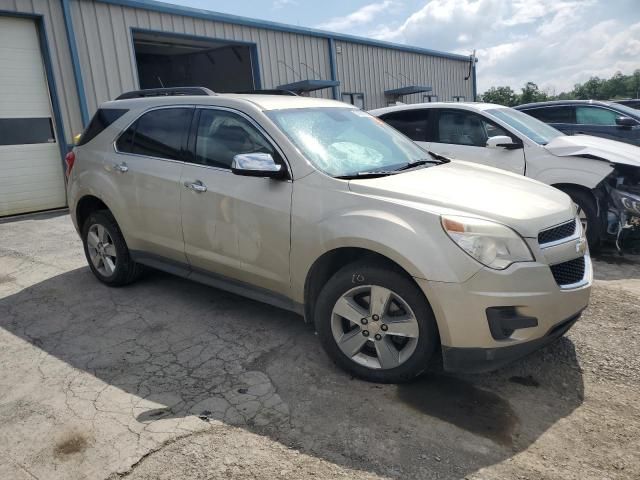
(257, 165)
(502, 141)
(626, 122)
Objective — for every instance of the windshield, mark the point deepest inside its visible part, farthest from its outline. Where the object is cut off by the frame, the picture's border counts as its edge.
(538, 131)
(344, 142)
(632, 112)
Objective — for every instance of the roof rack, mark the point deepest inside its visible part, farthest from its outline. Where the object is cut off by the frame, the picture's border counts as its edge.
(165, 92)
(272, 91)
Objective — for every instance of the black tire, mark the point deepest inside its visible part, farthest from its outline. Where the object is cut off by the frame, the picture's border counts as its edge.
(588, 205)
(377, 274)
(126, 270)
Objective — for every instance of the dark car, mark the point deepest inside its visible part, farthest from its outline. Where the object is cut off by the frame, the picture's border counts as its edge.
(631, 102)
(589, 117)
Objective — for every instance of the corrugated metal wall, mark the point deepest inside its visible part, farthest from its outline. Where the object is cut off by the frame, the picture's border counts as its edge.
(107, 58)
(103, 36)
(51, 10)
(372, 70)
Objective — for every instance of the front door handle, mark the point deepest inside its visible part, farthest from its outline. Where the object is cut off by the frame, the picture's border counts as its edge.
(196, 186)
(121, 167)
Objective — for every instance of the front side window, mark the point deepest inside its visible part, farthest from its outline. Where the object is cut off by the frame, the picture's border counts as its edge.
(222, 135)
(356, 99)
(595, 116)
(158, 133)
(530, 127)
(565, 114)
(461, 127)
(346, 141)
(413, 123)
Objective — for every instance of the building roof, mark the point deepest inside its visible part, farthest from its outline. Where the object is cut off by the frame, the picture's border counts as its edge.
(163, 7)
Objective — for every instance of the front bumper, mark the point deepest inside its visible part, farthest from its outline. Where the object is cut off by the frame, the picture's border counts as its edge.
(477, 360)
(529, 290)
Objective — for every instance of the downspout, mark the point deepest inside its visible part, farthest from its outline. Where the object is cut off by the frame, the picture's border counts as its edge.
(475, 84)
(75, 61)
(332, 66)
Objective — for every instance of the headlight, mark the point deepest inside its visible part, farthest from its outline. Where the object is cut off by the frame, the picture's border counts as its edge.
(491, 244)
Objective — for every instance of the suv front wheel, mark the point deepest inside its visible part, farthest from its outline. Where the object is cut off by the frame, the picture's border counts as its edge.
(106, 250)
(376, 323)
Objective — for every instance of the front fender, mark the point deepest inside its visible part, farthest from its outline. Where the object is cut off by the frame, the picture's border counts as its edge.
(578, 171)
(415, 241)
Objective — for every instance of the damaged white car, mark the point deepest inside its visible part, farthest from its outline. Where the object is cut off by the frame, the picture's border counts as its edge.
(601, 176)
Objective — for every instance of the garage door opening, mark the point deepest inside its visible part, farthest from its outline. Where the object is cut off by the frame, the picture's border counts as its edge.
(173, 61)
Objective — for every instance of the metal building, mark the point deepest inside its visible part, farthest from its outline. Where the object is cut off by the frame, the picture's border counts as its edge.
(59, 59)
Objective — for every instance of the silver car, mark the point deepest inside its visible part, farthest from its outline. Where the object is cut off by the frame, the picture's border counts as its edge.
(317, 207)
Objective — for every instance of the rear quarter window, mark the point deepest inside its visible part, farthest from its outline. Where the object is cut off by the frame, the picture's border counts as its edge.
(101, 120)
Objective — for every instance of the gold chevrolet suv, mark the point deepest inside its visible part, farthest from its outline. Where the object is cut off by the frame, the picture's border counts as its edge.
(314, 206)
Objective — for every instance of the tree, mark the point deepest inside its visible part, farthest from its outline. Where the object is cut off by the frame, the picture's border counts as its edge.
(531, 93)
(500, 95)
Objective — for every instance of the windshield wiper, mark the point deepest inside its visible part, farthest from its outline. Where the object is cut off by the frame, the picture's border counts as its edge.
(372, 174)
(436, 160)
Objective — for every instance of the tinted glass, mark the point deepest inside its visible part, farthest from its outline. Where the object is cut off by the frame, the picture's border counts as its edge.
(346, 141)
(23, 131)
(222, 135)
(553, 114)
(465, 128)
(158, 133)
(413, 123)
(595, 116)
(101, 120)
(528, 126)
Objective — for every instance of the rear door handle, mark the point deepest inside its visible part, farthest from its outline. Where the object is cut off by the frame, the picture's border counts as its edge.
(121, 167)
(196, 186)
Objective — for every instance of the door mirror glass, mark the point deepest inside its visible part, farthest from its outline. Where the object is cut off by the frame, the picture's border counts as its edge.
(625, 122)
(256, 165)
(502, 141)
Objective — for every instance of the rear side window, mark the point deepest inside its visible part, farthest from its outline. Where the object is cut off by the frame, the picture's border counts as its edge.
(101, 120)
(413, 123)
(564, 114)
(158, 133)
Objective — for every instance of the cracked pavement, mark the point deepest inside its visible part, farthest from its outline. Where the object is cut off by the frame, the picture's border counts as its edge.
(171, 379)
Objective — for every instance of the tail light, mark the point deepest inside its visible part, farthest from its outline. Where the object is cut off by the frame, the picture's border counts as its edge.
(69, 159)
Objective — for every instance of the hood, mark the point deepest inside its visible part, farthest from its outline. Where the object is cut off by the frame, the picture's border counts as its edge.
(581, 145)
(523, 204)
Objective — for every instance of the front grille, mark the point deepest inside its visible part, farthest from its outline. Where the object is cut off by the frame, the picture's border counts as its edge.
(557, 233)
(569, 272)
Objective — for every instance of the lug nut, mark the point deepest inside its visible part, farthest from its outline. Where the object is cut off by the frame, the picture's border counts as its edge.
(364, 321)
(384, 328)
(365, 333)
(375, 318)
(378, 336)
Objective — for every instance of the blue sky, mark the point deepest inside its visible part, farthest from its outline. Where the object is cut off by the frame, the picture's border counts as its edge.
(554, 43)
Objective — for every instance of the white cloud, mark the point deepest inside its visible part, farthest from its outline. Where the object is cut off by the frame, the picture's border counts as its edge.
(362, 16)
(277, 4)
(555, 43)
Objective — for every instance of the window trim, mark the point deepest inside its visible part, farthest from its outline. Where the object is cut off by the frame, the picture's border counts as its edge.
(193, 131)
(160, 107)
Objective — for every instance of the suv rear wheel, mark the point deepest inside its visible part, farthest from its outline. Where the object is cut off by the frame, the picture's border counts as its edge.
(375, 323)
(106, 250)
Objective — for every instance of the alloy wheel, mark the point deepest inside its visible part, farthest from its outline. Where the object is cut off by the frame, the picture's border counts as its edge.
(102, 251)
(374, 327)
